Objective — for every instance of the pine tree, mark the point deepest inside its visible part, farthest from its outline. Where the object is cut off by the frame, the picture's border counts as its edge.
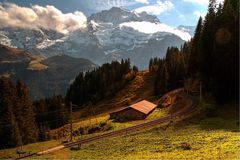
(9, 130)
(150, 65)
(194, 54)
(225, 54)
(25, 114)
(163, 84)
(207, 46)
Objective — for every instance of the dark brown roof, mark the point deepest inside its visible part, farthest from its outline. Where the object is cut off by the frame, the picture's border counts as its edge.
(144, 106)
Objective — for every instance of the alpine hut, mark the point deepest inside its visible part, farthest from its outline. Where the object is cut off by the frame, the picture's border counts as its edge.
(137, 111)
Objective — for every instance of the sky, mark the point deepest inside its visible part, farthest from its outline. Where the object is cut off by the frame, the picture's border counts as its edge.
(170, 12)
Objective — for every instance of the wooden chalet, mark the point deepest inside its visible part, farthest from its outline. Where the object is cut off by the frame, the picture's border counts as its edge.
(137, 111)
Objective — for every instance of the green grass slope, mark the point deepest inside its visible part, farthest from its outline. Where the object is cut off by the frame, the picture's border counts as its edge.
(199, 136)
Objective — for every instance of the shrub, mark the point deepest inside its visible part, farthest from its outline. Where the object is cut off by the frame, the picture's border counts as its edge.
(102, 126)
(185, 146)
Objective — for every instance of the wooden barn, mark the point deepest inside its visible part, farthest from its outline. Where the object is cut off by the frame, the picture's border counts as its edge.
(137, 111)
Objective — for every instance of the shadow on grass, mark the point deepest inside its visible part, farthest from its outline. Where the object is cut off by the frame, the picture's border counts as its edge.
(220, 123)
(221, 117)
(213, 117)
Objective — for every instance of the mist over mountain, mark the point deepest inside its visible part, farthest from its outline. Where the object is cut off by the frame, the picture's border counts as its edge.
(109, 35)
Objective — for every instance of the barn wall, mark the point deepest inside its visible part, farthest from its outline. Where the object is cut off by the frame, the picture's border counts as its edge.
(127, 115)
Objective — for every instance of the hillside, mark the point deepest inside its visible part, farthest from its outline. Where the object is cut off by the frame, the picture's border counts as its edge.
(12, 55)
(138, 89)
(44, 77)
(208, 138)
(196, 136)
(209, 133)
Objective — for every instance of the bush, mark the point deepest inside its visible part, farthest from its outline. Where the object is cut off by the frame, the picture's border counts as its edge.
(185, 146)
(102, 126)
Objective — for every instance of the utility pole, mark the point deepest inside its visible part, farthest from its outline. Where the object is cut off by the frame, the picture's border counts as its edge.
(93, 112)
(71, 126)
(200, 96)
(62, 131)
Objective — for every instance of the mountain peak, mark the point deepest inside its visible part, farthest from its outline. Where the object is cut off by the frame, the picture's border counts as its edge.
(117, 15)
(189, 29)
(119, 9)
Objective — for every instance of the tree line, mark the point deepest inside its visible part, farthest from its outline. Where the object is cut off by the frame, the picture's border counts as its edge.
(211, 56)
(102, 82)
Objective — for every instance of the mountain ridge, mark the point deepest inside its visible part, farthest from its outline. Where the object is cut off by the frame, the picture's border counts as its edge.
(103, 38)
(44, 77)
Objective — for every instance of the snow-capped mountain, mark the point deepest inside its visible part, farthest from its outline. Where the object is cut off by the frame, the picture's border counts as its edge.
(116, 16)
(188, 29)
(110, 35)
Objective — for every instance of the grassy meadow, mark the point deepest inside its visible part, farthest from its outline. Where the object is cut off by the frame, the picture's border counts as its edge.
(201, 136)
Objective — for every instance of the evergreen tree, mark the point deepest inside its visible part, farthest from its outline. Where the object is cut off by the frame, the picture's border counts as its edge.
(9, 130)
(207, 46)
(194, 54)
(25, 114)
(225, 71)
(150, 65)
(161, 80)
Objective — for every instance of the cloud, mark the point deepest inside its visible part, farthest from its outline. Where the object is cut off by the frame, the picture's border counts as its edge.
(150, 28)
(48, 17)
(181, 16)
(202, 2)
(156, 9)
(99, 5)
(143, 1)
(198, 14)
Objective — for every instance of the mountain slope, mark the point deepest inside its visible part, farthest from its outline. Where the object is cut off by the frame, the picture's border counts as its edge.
(189, 29)
(44, 77)
(140, 88)
(107, 37)
(11, 55)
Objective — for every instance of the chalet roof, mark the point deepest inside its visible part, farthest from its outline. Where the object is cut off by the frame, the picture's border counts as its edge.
(144, 106)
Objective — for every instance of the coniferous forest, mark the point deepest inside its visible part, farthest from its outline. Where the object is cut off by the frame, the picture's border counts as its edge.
(100, 83)
(211, 56)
